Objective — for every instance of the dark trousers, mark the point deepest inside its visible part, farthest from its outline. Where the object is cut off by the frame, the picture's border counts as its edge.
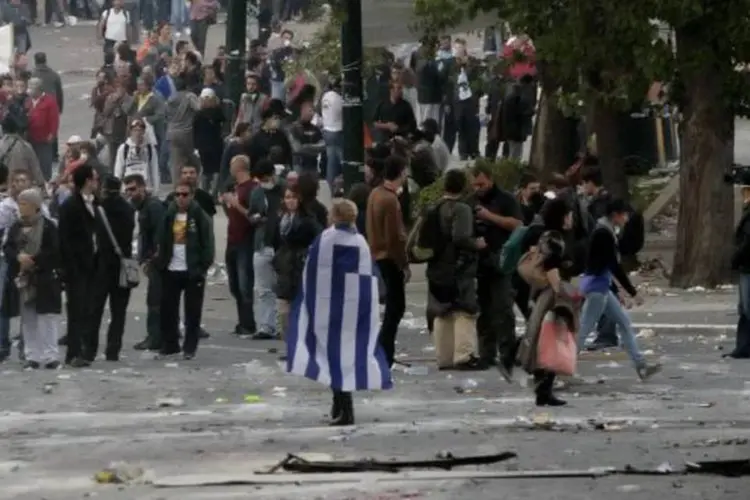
(496, 324)
(174, 284)
(153, 308)
(239, 261)
(522, 295)
(492, 146)
(119, 298)
(467, 128)
(544, 381)
(742, 345)
(199, 35)
(395, 305)
(82, 332)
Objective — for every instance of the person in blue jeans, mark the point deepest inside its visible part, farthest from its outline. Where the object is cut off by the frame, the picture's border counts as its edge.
(741, 263)
(600, 291)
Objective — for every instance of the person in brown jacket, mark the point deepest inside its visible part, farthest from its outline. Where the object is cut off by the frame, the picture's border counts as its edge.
(386, 235)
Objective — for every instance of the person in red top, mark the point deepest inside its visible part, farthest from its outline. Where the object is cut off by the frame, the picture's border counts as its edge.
(239, 253)
(520, 53)
(44, 120)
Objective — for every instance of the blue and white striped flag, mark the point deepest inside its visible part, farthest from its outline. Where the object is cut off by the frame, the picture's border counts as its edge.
(335, 320)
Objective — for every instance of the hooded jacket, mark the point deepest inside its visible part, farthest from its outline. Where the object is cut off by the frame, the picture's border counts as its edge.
(140, 159)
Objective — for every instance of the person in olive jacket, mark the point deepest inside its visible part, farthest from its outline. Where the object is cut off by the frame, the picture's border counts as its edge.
(185, 252)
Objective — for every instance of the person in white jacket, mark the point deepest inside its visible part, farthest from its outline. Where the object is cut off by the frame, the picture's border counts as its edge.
(138, 156)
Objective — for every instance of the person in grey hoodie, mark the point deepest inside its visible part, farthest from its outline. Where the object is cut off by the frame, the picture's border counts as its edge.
(182, 106)
(264, 213)
(17, 154)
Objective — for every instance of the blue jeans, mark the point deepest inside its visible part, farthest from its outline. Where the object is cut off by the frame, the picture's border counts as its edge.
(239, 261)
(742, 346)
(598, 304)
(334, 155)
(278, 90)
(180, 17)
(265, 299)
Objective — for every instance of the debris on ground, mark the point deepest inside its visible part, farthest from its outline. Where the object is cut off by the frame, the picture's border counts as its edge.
(123, 473)
(170, 402)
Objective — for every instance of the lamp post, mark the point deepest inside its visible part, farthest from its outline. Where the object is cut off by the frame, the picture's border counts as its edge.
(352, 94)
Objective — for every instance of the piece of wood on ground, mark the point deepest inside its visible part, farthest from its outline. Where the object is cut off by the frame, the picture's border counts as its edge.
(251, 479)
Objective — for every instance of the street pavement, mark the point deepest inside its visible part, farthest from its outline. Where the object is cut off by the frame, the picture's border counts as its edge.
(233, 410)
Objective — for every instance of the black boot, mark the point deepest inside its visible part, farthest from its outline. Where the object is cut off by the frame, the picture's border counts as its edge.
(336, 406)
(346, 413)
(544, 397)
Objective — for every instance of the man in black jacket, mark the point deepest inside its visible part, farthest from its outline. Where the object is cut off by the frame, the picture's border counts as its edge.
(151, 212)
(79, 248)
(741, 263)
(115, 235)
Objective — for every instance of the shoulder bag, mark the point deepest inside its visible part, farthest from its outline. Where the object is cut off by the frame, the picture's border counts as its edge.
(129, 273)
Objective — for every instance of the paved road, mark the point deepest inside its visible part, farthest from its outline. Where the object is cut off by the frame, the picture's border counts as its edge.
(58, 428)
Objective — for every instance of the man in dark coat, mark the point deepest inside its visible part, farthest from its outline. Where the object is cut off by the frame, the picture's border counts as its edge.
(118, 224)
(79, 248)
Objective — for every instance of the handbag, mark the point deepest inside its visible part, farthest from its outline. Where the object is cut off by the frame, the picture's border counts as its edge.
(530, 269)
(556, 350)
(130, 276)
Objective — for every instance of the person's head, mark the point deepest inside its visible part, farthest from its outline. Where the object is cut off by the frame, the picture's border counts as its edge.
(397, 72)
(40, 59)
(264, 172)
(6, 82)
(19, 180)
(21, 86)
(111, 186)
(557, 215)
(153, 36)
(189, 174)
(558, 183)
(137, 130)
(454, 183)
(397, 90)
(4, 172)
(145, 83)
(529, 186)
(239, 167)
(459, 48)
(73, 143)
(291, 200)
(251, 84)
(394, 170)
(287, 36)
(307, 187)
(101, 78)
(292, 180)
(618, 212)
(10, 124)
(135, 187)
(124, 52)
(591, 180)
(29, 204)
(306, 112)
(445, 43)
(174, 69)
(191, 60)
(183, 195)
(208, 97)
(482, 179)
(181, 47)
(243, 131)
(343, 212)
(35, 87)
(117, 4)
(165, 32)
(209, 75)
(85, 179)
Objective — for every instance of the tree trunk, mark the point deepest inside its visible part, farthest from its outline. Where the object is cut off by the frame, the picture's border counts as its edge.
(704, 227)
(606, 125)
(553, 139)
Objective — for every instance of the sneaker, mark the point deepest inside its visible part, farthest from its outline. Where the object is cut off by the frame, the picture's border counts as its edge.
(31, 365)
(264, 336)
(52, 365)
(647, 371)
(79, 363)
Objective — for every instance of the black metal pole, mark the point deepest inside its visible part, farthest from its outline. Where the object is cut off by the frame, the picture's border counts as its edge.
(352, 94)
(235, 42)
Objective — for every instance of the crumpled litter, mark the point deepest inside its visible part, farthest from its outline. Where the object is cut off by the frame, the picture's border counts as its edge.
(123, 473)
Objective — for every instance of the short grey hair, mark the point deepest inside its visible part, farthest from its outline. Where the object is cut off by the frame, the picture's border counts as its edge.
(31, 196)
(35, 83)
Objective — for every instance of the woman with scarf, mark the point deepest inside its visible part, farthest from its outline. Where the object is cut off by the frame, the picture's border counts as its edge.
(556, 264)
(33, 289)
(335, 320)
(296, 231)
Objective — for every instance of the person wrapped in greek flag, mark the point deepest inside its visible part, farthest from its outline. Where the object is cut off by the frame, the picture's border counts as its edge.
(335, 319)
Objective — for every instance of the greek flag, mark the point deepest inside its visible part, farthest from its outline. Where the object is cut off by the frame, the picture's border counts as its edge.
(334, 322)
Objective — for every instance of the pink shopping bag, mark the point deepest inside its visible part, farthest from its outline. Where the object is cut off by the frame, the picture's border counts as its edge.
(556, 348)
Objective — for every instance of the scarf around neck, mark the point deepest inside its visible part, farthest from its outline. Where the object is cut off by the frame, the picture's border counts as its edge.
(30, 242)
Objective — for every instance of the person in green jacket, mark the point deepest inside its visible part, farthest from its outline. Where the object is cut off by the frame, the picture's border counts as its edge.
(184, 255)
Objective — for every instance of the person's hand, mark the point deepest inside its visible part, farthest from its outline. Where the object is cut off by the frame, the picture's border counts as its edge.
(25, 260)
(407, 275)
(483, 213)
(145, 268)
(392, 127)
(481, 243)
(638, 300)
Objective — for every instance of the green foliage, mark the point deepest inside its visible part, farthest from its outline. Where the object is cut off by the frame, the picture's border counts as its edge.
(507, 174)
(322, 55)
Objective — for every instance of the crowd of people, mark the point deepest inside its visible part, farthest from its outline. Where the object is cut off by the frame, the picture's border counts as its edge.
(162, 118)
